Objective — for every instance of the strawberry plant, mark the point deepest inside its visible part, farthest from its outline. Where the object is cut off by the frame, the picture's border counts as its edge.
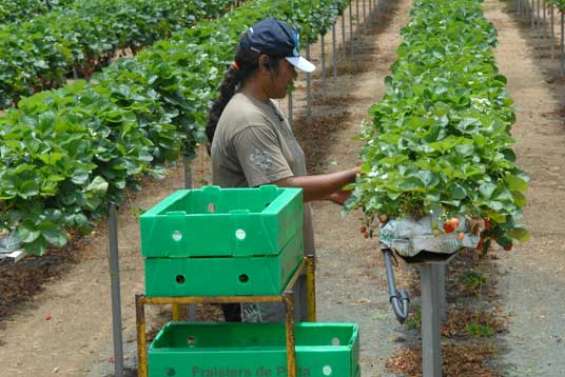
(22, 10)
(560, 4)
(66, 153)
(439, 141)
(43, 52)
(320, 19)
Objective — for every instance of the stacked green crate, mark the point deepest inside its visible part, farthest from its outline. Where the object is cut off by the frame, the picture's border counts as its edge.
(219, 242)
(254, 349)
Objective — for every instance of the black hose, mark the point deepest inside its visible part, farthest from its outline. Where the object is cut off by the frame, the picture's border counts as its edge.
(399, 299)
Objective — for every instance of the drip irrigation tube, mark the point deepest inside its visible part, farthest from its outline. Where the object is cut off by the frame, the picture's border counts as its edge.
(399, 299)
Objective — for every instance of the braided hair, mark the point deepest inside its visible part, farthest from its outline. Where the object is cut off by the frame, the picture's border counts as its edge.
(245, 65)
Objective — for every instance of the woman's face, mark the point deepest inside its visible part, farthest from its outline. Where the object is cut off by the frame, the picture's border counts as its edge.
(281, 79)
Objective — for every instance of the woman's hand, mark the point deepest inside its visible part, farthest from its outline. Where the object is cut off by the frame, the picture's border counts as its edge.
(339, 197)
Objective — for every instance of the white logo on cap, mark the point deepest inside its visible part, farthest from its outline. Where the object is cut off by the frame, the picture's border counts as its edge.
(296, 50)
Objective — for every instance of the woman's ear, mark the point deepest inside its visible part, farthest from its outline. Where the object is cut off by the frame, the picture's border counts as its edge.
(265, 62)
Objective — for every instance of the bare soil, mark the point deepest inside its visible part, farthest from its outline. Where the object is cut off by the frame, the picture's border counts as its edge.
(532, 277)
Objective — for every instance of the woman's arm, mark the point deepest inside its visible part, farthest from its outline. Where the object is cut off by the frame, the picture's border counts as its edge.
(320, 187)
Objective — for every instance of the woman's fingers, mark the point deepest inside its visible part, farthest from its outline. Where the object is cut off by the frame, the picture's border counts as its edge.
(340, 196)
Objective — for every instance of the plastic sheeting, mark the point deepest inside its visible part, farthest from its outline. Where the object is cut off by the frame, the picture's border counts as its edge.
(409, 237)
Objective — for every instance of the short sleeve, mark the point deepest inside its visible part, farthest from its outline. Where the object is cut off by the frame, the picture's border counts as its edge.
(260, 156)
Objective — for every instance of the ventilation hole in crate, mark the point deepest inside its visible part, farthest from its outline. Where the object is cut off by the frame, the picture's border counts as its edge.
(335, 342)
(327, 370)
(240, 234)
(170, 372)
(211, 208)
(243, 278)
(177, 235)
(191, 341)
(180, 279)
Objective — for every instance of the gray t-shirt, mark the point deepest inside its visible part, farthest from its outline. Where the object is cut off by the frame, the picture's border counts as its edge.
(254, 145)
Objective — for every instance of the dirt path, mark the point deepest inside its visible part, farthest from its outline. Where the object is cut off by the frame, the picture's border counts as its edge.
(532, 284)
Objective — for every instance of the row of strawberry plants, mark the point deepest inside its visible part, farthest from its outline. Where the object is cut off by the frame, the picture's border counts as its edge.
(439, 141)
(560, 4)
(22, 10)
(43, 52)
(65, 153)
(320, 19)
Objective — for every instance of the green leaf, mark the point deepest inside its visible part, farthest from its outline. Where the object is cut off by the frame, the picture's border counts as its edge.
(55, 237)
(97, 186)
(27, 235)
(519, 199)
(520, 234)
(487, 189)
(457, 192)
(37, 247)
(516, 183)
(80, 177)
(412, 184)
(495, 216)
(465, 149)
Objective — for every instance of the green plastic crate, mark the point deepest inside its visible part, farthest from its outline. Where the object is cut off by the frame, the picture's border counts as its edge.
(185, 349)
(212, 221)
(267, 275)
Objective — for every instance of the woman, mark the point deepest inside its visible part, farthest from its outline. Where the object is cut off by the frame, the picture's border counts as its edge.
(252, 143)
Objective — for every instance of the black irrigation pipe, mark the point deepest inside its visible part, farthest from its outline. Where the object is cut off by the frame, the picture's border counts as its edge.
(399, 299)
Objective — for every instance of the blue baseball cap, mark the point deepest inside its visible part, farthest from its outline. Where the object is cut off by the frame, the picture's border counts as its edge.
(278, 39)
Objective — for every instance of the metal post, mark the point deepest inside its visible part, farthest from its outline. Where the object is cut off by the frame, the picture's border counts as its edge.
(357, 14)
(365, 13)
(431, 332)
(323, 59)
(311, 287)
(334, 57)
(290, 336)
(116, 299)
(519, 7)
(532, 17)
(544, 20)
(351, 26)
(176, 312)
(552, 15)
(308, 87)
(562, 45)
(552, 34)
(442, 273)
(141, 336)
(343, 30)
(537, 13)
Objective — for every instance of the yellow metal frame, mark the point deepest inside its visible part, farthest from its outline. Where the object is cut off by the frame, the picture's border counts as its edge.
(287, 297)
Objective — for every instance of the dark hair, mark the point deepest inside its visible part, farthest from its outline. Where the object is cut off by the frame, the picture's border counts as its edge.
(246, 64)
